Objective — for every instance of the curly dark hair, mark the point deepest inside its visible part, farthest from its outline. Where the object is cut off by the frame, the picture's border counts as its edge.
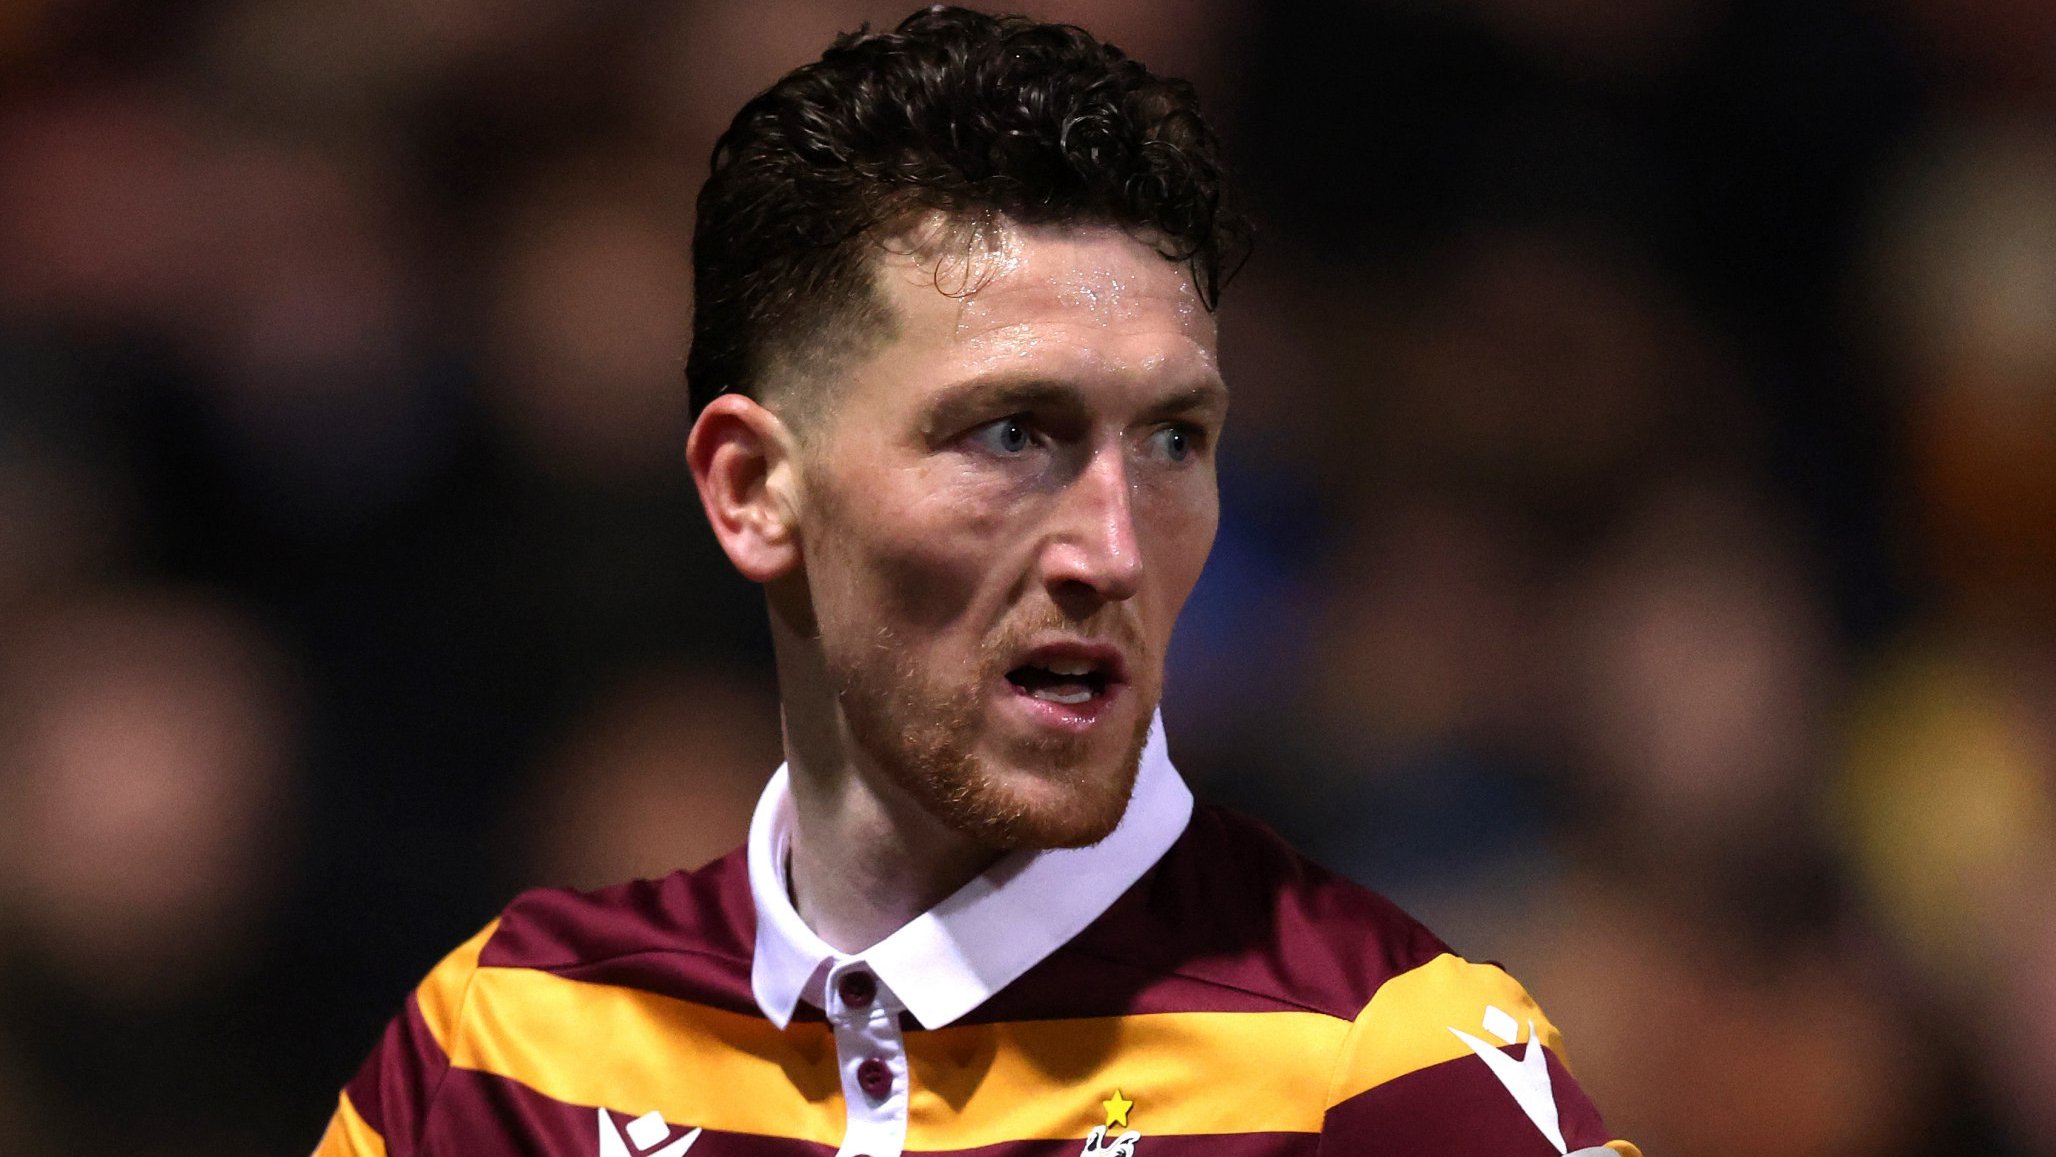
(953, 110)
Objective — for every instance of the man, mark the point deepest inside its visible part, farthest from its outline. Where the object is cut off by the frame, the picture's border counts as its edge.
(955, 358)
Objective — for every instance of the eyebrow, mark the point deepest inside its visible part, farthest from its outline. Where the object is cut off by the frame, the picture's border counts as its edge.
(1210, 394)
(1003, 392)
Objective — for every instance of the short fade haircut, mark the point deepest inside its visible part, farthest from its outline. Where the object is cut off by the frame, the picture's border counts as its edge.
(954, 110)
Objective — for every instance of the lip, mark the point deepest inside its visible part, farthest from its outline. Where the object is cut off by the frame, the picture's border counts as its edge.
(1111, 662)
(1073, 718)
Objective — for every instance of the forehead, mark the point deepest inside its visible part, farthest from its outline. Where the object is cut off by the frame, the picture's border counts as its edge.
(1094, 295)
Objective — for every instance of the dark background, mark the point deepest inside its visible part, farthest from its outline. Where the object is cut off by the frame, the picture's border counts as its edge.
(1638, 555)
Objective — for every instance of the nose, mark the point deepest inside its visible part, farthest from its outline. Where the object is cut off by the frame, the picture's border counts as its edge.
(1092, 556)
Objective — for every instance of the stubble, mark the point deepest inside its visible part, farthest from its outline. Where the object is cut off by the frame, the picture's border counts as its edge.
(923, 730)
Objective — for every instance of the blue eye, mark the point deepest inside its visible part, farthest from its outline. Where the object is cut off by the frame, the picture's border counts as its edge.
(1006, 436)
(1176, 443)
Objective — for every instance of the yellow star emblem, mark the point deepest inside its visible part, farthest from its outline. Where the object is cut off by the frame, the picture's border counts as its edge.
(1117, 1109)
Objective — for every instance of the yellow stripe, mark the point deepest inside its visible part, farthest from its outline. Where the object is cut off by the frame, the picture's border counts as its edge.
(1406, 1026)
(1624, 1148)
(985, 1084)
(348, 1135)
(441, 995)
(593, 1044)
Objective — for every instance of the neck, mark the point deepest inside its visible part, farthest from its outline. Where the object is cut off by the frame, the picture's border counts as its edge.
(866, 858)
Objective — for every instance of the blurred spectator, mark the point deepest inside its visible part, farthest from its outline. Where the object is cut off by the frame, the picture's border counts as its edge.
(96, 194)
(710, 58)
(717, 54)
(147, 814)
(1950, 792)
(662, 774)
(1539, 370)
(1246, 613)
(591, 291)
(148, 827)
(1699, 679)
(1712, 1041)
(311, 344)
(1964, 293)
(306, 61)
(1422, 716)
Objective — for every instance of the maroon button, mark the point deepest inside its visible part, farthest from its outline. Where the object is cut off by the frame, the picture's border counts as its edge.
(857, 988)
(874, 1078)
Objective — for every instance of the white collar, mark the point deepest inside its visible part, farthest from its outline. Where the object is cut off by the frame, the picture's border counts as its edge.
(953, 957)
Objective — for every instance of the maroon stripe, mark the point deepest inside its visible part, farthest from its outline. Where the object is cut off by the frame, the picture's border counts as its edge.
(1231, 919)
(708, 912)
(391, 1092)
(1458, 1106)
(716, 982)
(690, 935)
(1072, 983)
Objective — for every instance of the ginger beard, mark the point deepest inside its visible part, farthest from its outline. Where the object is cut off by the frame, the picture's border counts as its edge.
(926, 731)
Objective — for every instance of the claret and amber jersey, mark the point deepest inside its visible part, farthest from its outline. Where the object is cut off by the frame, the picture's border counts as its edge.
(1188, 986)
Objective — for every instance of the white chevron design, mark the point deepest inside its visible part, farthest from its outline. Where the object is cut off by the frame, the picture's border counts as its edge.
(1527, 1079)
(644, 1131)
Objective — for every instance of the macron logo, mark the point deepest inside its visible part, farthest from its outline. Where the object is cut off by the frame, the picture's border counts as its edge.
(645, 1133)
(1527, 1078)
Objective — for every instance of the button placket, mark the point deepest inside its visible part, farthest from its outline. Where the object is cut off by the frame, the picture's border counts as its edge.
(871, 1055)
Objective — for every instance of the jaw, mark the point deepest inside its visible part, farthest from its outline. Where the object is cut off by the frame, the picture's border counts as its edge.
(1063, 771)
(1025, 734)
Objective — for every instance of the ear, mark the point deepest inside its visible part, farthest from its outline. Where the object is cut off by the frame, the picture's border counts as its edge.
(743, 461)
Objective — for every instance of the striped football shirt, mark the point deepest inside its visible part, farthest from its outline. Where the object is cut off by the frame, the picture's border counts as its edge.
(1188, 986)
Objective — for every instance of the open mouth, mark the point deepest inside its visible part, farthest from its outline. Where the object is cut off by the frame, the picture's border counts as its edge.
(1070, 682)
(1070, 678)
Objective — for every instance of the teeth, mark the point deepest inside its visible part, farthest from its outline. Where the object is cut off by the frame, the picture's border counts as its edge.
(1067, 697)
(1068, 667)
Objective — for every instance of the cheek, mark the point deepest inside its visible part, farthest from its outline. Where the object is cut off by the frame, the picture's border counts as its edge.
(922, 556)
(1176, 520)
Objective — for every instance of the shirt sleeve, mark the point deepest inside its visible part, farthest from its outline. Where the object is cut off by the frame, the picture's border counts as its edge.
(1456, 1058)
(382, 1109)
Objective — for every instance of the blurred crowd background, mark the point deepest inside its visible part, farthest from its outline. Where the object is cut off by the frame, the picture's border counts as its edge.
(1638, 554)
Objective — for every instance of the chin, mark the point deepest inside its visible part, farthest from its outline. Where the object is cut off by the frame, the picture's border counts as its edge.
(977, 764)
(1056, 792)
(1045, 805)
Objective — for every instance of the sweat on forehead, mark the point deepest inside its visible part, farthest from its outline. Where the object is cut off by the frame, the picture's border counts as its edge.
(983, 266)
(1092, 265)
(1104, 280)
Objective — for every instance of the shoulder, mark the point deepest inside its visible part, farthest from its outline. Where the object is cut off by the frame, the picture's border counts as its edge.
(1240, 903)
(1454, 1056)
(1306, 905)
(553, 972)
(689, 935)
(1231, 919)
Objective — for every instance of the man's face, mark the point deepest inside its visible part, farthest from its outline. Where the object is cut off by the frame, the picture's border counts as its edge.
(1005, 508)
